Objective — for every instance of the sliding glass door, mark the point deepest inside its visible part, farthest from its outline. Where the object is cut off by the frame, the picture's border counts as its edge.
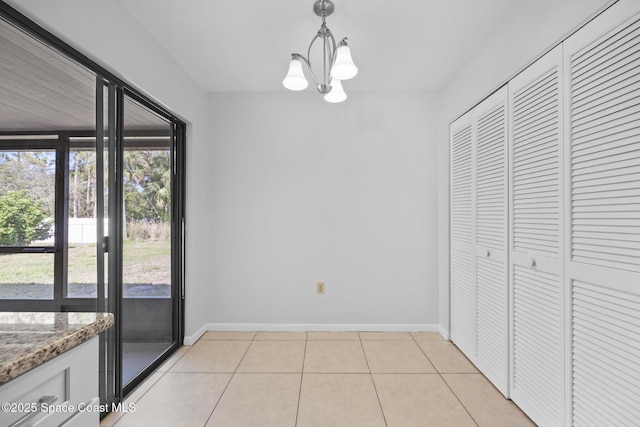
(147, 251)
(91, 201)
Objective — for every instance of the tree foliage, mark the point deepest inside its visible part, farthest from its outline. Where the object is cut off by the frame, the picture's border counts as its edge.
(31, 174)
(147, 185)
(30, 171)
(82, 184)
(22, 219)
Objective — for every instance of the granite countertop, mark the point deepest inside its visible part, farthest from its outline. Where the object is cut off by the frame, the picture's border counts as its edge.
(28, 340)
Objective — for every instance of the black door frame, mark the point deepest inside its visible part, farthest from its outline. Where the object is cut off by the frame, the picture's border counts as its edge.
(116, 89)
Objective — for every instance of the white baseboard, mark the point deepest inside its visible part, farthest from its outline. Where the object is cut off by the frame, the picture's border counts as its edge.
(445, 334)
(323, 327)
(191, 339)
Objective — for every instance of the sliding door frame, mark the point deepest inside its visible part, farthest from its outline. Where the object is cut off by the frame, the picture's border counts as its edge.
(117, 88)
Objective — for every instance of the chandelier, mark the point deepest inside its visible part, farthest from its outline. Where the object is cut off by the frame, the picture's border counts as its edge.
(337, 64)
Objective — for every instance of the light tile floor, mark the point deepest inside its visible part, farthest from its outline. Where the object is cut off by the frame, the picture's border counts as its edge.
(318, 379)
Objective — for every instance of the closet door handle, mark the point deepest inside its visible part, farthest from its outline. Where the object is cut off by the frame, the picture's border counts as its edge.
(532, 262)
(487, 253)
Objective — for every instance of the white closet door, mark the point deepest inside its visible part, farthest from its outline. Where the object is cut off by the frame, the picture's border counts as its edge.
(603, 217)
(491, 215)
(535, 117)
(463, 294)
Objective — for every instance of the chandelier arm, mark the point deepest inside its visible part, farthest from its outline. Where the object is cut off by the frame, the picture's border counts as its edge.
(332, 51)
(328, 49)
(308, 64)
(325, 42)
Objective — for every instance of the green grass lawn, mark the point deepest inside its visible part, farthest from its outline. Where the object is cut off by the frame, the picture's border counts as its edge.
(145, 262)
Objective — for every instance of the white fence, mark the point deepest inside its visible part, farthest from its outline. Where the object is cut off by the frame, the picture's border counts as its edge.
(81, 231)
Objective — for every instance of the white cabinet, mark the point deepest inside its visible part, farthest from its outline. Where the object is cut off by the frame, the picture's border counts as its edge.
(551, 293)
(479, 290)
(602, 182)
(536, 131)
(491, 231)
(463, 293)
(61, 386)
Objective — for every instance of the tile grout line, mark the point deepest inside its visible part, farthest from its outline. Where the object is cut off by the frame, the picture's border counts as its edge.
(458, 399)
(425, 354)
(304, 357)
(384, 417)
(445, 381)
(230, 379)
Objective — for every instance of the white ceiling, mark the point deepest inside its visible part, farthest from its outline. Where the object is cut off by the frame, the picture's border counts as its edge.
(43, 90)
(245, 45)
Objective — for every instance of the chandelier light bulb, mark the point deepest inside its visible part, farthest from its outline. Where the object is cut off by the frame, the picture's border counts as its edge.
(295, 79)
(337, 94)
(343, 67)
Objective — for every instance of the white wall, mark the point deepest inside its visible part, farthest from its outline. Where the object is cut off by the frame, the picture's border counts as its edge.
(305, 191)
(116, 41)
(531, 30)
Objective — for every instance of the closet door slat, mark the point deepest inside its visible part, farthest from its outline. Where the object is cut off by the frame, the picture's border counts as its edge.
(461, 193)
(611, 165)
(539, 164)
(463, 297)
(490, 175)
(606, 355)
(491, 245)
(537, 301)
(603, 217)
(463, 301)
(537, 356)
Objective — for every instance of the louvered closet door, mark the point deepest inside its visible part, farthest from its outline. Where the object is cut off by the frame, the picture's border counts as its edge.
(537, 372)
(491, 215)
(463, 296)
(603, 218)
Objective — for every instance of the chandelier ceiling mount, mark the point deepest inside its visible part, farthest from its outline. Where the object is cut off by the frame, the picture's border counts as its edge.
(323, 8)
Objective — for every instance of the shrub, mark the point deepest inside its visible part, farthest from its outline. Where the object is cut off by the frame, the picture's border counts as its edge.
(22, 219)
(145, 230)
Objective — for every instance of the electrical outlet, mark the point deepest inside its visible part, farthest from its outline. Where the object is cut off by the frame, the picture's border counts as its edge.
(320, 287)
